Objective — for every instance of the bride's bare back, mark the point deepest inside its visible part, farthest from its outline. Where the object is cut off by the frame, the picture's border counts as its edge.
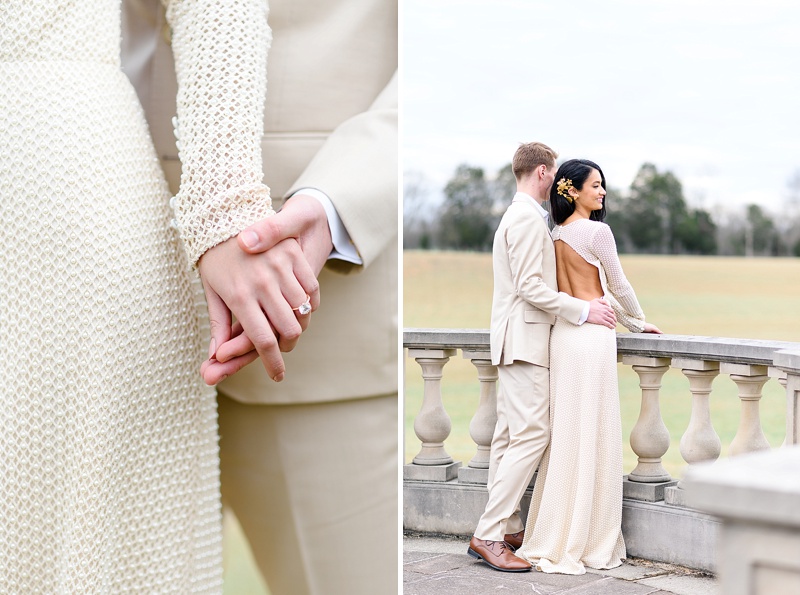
(575, 276)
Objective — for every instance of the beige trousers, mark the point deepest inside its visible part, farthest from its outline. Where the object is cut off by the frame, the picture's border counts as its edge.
(314, 487)
(520, 438)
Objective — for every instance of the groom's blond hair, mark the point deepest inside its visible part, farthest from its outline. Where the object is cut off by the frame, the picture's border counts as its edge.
(529, 156)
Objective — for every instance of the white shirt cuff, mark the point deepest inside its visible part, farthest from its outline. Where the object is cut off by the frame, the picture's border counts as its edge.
(343, 247)
(585, 314)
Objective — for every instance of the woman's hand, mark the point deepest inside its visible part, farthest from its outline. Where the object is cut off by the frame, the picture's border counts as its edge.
(260, 290)
(651, 328)
(260, 281)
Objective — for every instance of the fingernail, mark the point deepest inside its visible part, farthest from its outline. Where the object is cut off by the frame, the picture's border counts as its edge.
(278, 377)
(249, 238)
(212, 348)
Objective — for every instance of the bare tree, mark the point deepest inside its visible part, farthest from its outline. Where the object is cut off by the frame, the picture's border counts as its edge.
(789, 222)
(418, 211)
(466, 221)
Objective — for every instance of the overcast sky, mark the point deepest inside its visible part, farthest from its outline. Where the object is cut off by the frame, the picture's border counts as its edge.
(707, 89)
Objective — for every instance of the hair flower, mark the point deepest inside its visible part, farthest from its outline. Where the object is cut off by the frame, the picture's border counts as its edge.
(563, 187)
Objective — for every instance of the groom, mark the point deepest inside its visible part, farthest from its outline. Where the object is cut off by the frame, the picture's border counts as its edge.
(309, 465)
(524, 306)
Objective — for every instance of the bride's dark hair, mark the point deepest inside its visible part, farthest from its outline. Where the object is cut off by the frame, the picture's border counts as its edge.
(576, 170)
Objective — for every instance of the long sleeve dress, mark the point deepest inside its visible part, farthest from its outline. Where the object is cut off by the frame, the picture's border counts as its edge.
(109, 467)
(575, 516)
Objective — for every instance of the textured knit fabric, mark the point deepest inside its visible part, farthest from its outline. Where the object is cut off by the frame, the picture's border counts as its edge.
(575, 516)
(594, 242)
(220, 49)
(109, 476)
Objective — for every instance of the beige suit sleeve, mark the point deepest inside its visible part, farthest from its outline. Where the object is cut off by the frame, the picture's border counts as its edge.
(220, 49)
(524, 239)
(357, 169)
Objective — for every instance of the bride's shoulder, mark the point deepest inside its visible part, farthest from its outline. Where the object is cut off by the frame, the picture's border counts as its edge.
(597, 232)
(597, 226)
(592, 227)
(603, 236)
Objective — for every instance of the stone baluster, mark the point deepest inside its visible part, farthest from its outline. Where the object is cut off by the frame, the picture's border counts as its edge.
(432, 424)
(789, 363)
(649, 438)
(700, 442)
(481, 427)
(749, 379)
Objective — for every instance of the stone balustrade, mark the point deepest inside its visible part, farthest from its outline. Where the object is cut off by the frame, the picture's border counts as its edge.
(749, 363)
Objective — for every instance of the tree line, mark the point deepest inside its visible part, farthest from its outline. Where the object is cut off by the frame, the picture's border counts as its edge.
(650, 217)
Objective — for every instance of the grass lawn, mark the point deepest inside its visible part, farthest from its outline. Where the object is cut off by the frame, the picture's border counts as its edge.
(241, 575)
(754, 298)
(727, 297)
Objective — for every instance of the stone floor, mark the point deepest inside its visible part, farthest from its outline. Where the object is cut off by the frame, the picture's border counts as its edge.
(440, 566)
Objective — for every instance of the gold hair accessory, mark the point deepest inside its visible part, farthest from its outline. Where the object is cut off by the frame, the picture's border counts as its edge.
(563, 188)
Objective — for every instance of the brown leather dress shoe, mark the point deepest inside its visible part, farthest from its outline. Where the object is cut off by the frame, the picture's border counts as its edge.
(515, 539)
(497, 555)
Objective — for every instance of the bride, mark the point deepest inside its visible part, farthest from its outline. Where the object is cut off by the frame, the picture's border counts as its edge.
(109, 475)
(575, 516)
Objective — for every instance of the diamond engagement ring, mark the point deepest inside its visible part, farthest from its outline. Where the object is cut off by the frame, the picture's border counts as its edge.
(305, 307)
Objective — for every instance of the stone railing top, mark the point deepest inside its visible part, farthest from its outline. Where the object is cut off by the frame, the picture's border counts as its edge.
(762, 486)
(446, 338)
(720, 349)
(788, 360)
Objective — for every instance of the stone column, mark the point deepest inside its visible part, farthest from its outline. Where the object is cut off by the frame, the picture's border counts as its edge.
(750, 379)
(481, 427)
(789, 363)
(432, 424)
(755, 498)
(700, 442)
(780, 376)
(649, 437)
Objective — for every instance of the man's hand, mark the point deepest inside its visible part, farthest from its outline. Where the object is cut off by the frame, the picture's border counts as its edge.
(301, 217)
(260, 290)
(652, 328)
(214, 371)
(601, 313)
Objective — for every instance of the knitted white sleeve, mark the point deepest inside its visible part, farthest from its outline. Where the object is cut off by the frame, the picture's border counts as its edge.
(629, 312)
(220, 49)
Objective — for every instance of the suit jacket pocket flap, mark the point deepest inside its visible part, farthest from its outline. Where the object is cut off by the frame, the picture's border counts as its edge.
(539, 316)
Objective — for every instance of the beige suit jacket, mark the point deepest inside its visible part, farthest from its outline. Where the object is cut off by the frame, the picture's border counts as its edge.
(526, 300)
(330, 124)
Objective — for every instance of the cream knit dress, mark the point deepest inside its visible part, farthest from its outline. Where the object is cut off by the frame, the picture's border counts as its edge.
(109, 478)
(575, 516)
